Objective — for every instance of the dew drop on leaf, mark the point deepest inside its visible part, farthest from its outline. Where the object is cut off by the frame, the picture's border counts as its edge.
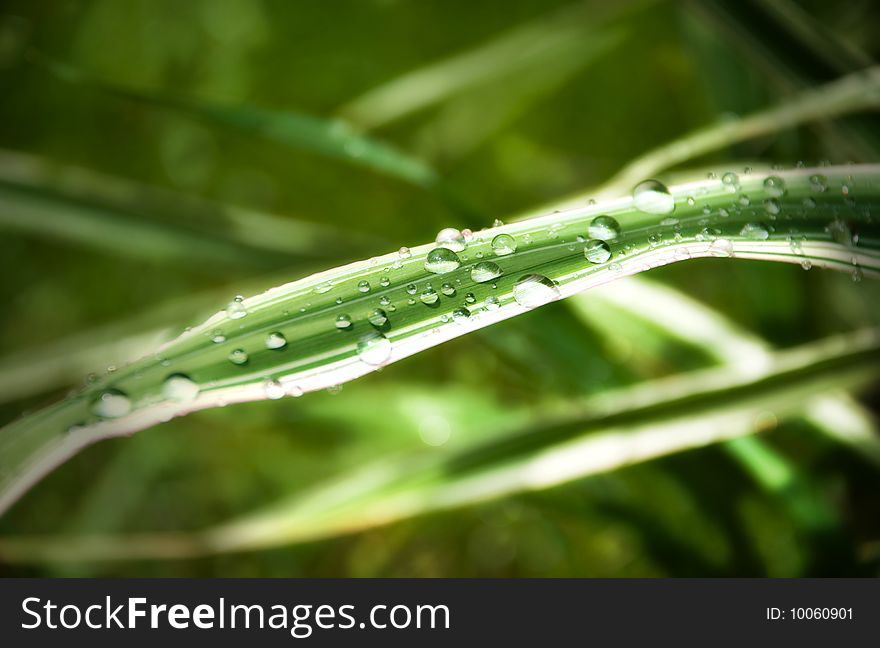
(485, 271)
(535, 290)
(374, 349)
(596, 251)
(111, 403)
(179, 387)
(653, 197)
(441, 260)
(604, 228)
(504, 244)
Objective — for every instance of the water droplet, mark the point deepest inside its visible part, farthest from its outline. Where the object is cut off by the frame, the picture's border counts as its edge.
(670, 221)
(276, 340)
(806, 264)
(378, 318)
(818, 183)
(273, 389)
(485, 271)
(460, 315)
(364, 286)
(774, 186)
(451, 238)
(470, 298)
(374, 349)
(731, 181)
(504, 244)
(411, 289)
(744, 200)
(448, 289)
(180, 388)
(653, 197)
(429, 296)
(111, 403)
(755, 231)
(323, 287)
(384, 300)
(238, 356)
(343, 322)
(492, 303)
(384, 282)
(772, 206)
(597, 251)
(605, 228)
(441, 260)
(535, 290)
(721, 248)
(217, 337)
(235, 309)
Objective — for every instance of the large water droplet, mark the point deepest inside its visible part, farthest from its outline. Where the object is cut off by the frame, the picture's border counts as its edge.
(755, 231)
(273, 389)
(604, 228)
(374, 349)
(180, 388)
(535, 290)
(597, 251)
(235, 309)
(111, 403)
(441, 260)
(730, 180)
(238, 356)
(276, 340)
(451, 238)
(448, 289)
(429, 296)
(485, 271)
(343, 322)
(504, 244)
(363, 286)
(653, 197)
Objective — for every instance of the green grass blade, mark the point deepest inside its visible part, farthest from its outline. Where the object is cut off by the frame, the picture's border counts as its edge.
(106, 211)
(563, 443)
(332, 138)
(826, 221)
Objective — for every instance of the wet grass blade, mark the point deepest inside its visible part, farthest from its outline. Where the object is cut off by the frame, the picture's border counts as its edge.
(344, 323)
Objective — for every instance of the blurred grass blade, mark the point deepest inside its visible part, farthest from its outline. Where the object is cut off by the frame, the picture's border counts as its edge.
(537, 45)
(565, 442)
(64, 201)
(837, 415)
(347, 322)
(332, 138)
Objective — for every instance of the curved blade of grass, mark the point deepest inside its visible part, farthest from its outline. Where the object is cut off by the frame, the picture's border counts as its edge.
(40, 195)
(826, 222)
(333, 138)
(538, 44)
(853, 93)
(565, 442)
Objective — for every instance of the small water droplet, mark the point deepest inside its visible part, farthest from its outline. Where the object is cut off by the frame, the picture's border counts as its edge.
(235, 309)
(441, 260)
(535, 290)
(384, 282)
(721, 248)
(363, 286)
(217, 337)
(111, 403)
(238, 356)
(343, 322)
(492, 303)
(485, 271)
(470, 298)
(378, 318)
(774, 186)
(597, 251)
(731, 181)
(276, 340)
(504, 244)
(429, 296)
(653, 197)
(755, 231)
(411, 289)
(404, 253)
(273, 389)
(772, 206)
(605, 228)
(448, 289)
(818, 183)
(806, 264)
(460, 315)
(744, 200)
(374, 349)
(323, 287)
